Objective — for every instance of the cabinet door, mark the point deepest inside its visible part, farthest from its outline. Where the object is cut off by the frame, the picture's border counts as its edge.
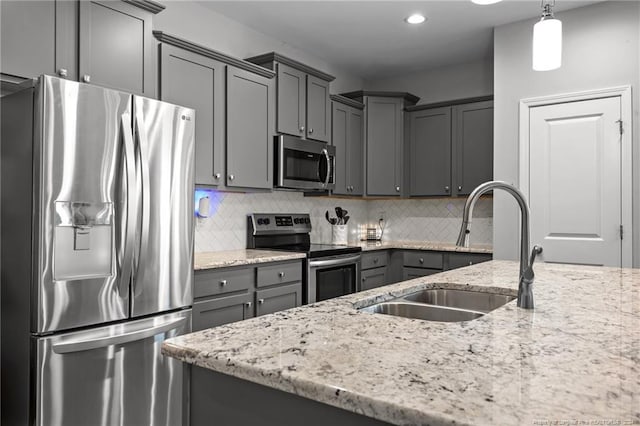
(472, 146)
(116, 48)
(318, 109)
(222, 310)
(291, 100)
(355, 148)
(278, 299)
(39, 37)
(339, 138)
(372, 278)
(411, 273)
(197, 82)
(431, 152)
(459, 260)
(249, 130)
(384, 146)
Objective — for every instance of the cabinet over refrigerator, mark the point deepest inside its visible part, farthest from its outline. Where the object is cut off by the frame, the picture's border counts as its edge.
(97, 255)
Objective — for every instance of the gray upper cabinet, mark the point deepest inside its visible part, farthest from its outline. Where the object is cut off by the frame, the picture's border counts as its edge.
(472, 146)
(451, 148)
(384, 142)
(291, 100)
(303, 105)
(430, 159)
(249, 130)
(197, 82)
(347, 137)
(234, 102)
(116, 47)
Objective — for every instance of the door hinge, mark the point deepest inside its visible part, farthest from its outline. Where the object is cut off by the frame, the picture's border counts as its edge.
(621, 124)
(621, 232)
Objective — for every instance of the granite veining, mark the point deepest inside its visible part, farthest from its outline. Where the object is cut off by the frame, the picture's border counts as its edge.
(574, 359)
(423, 245)
(222, 259)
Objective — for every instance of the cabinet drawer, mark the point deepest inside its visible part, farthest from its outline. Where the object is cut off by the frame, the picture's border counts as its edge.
(278, 299)
(277, 274)
(376, 259)
(423, 259)
(222, 310)
(220, 281)
(458, 260)
(373, 278)
(411, 273)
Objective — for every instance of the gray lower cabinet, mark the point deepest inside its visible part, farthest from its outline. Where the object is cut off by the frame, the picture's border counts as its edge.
(459, 260)
(411, 273)
(430, 159)
(276, 299)
(116, 47)
(249, 145)
(347, 137)
(318, 109)
(372, 278)
(384, 126)
(197, 82)
(472, 146)
(222, 310)
(451, 149)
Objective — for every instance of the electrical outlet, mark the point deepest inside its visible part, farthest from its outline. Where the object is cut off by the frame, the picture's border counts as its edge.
(382, 215)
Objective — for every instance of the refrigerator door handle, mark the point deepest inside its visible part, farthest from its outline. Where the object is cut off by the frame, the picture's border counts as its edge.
(132, 203)
(143, 246)
(127, 337)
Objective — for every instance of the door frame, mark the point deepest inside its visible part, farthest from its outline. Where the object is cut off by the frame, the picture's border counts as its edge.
(624, 92)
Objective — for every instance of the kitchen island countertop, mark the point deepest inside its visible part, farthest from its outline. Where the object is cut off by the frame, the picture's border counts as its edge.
(423, 245)
(574, 358)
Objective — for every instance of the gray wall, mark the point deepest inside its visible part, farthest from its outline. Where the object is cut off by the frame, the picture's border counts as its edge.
(442, 84)
(196, 23)
(601, 49)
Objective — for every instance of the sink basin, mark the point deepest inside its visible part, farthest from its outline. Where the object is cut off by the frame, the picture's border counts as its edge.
(423, 312)
(444, 305)
(461, 299)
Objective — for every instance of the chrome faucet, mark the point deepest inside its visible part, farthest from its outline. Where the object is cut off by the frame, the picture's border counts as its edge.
(525, 293)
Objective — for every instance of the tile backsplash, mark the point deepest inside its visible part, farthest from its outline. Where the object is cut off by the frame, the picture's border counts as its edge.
(418, 220)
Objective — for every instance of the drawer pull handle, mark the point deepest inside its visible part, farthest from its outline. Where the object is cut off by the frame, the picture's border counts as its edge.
(223, 283)
(248, 304)
(261, 301)
(421, 260)
(281, 274)
(375, 260)
(364, 279)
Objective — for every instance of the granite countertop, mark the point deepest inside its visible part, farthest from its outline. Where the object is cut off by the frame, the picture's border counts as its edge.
(576, 357)
(423, 245)
(222, 259)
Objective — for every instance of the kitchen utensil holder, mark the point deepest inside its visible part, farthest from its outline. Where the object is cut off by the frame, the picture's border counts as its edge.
(339, 234)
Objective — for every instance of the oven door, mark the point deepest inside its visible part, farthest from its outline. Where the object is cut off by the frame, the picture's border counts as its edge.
(303, 164)
(332, 277)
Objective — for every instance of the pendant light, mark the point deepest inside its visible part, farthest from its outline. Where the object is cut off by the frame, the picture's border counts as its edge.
(547, 40)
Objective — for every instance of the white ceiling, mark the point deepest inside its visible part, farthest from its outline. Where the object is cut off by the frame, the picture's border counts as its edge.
(370, 38)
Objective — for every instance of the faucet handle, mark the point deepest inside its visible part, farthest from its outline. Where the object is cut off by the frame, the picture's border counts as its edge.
(535, 252)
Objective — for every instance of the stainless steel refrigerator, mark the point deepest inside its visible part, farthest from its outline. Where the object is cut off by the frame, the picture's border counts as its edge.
(97, 250)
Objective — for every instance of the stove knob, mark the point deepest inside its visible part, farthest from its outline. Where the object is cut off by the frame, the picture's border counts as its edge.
(307, 220)
(296, 221)
(266, 221)
(260, 221)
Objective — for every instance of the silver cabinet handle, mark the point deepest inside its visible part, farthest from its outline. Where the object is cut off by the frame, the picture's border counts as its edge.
(86, 78)
(217, 175)
(375, 260)
(310, 130)
(301, 129)
(460, 188)
(447, 189)
(62, 72)
(248, 304)
(261, 301)
(281, 274)
(397, 189)
(364, 279)
(232, 177)
(421, 260)
(223, 283)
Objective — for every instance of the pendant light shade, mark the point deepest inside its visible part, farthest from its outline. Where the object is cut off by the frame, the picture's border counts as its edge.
(547, 41)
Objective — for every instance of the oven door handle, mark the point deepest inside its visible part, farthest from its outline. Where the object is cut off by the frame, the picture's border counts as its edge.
(333, 262)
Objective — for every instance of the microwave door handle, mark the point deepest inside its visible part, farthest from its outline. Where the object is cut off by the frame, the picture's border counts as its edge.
(328, 160)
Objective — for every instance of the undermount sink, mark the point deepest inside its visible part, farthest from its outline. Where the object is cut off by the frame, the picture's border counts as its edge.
(443, 305)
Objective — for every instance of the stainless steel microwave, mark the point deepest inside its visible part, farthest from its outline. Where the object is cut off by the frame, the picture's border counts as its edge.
(304, 164)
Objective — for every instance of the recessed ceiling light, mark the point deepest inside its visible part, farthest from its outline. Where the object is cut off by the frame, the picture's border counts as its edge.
(416, 18)
(485, 2)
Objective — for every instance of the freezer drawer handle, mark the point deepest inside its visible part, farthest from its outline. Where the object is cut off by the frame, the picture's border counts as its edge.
(101, 342)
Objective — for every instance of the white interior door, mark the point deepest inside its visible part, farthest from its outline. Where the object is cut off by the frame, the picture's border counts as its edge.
(575, 181)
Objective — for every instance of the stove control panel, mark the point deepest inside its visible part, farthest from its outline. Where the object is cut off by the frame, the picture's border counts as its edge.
(273, 223)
